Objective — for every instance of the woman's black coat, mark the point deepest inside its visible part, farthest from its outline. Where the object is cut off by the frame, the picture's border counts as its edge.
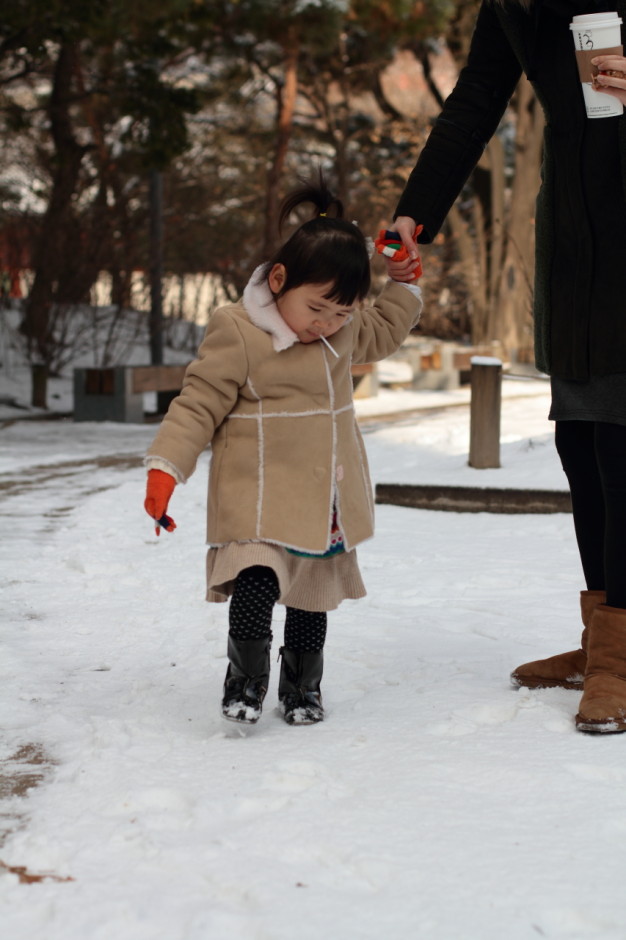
(580, 278)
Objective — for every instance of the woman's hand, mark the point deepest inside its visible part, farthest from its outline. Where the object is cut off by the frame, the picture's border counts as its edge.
(404, 270)
(614, 85)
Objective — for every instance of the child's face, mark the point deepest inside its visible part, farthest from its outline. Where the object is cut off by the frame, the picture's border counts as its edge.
(305, 309)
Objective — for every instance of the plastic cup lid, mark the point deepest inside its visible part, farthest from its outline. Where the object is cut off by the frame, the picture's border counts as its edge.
(596, 20)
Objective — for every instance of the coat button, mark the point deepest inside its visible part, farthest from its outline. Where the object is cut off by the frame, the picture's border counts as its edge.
(339, 473)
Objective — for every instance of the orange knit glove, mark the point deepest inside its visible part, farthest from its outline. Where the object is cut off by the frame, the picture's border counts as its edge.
(158, 491)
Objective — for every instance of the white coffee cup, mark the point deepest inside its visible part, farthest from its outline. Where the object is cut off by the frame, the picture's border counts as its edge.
(596, 34)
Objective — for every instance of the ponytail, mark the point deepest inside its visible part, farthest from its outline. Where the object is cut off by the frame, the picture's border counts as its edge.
(315, 192)
(325, 250)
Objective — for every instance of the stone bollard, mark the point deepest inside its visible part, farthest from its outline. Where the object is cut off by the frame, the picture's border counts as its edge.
(486, 384)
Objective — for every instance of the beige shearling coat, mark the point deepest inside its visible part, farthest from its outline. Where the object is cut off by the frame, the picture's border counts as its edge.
(280, 419)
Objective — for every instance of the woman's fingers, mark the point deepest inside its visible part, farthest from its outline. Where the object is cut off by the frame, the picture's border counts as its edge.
(610, 61)
(404, 225)
(611, 71)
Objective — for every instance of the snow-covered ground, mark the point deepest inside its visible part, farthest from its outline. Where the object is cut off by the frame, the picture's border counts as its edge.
(434, 802)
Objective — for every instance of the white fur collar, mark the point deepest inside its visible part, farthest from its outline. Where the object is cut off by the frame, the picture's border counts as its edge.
(263, 312)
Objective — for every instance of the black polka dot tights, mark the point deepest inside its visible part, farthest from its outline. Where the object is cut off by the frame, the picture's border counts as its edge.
(250, 613)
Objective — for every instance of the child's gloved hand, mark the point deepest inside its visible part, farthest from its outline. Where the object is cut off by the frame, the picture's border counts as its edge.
(158, 491)
(389, 244)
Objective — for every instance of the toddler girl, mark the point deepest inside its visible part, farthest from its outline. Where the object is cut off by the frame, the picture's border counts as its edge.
(289, 491)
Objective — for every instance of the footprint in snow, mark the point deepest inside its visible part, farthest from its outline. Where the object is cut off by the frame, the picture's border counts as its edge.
(474, 717)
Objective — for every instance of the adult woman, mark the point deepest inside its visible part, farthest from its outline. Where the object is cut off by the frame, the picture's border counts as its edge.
(580, 325)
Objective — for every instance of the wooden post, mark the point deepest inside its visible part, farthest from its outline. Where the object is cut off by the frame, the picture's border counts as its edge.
(486, 382)
(39, 376)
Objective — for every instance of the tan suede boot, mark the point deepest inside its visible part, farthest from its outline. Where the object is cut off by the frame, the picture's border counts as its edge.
(602, 708)
(565, 670)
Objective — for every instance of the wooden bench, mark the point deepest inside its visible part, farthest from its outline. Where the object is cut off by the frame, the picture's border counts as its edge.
(364, 380)
(116, 394)
(439, 364)
(460, 358)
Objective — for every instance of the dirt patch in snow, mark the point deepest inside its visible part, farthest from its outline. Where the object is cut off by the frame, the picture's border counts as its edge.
(19, 773)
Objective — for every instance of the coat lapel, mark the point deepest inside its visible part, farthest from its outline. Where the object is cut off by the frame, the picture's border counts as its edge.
(263, 312)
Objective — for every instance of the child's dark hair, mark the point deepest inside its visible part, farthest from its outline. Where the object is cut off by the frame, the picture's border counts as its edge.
(325, 250)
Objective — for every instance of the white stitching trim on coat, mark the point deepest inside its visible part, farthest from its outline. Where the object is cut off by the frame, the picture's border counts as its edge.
(261, 452)
(293, 414)
(333, 467)
(366, 480)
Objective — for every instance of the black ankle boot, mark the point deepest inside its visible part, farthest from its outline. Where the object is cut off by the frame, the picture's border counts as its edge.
(299, 686)
(247, 678)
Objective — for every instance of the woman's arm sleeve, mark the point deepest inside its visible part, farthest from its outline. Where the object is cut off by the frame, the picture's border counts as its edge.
(469, 119)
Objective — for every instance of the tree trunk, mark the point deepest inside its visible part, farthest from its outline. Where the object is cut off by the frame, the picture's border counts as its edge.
(421, 51)
(461, 28)
(511, 311)
(466, 246)
(496, 248)
(490, 234)
(480, 242)
(50, 248)
(286, 101)
(156, 267)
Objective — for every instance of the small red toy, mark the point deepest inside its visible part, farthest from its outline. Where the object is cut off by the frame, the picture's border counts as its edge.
(391, 245)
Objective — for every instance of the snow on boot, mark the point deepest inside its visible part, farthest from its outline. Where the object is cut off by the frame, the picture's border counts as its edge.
(247, 678)
(299, 686)
(602, 709)
(565, 670)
